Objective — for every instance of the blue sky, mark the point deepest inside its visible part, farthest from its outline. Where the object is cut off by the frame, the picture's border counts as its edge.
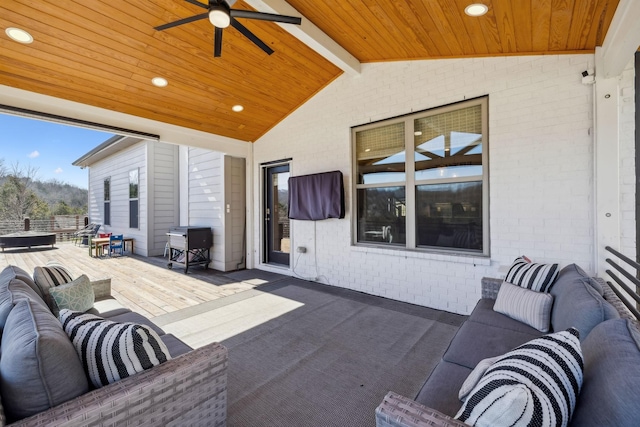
(49, 147)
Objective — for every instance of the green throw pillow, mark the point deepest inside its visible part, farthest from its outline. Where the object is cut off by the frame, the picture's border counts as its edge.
(76, 295)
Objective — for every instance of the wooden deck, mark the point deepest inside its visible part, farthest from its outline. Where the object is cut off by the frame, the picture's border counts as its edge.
(144, 285)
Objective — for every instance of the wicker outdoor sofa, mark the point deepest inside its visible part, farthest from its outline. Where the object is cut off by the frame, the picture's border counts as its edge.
(188, 389)
(609, 341)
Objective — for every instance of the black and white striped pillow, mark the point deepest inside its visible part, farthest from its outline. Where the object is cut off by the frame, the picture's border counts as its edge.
(529, 275)
(110, 351)
(50, 276)
(538, 381)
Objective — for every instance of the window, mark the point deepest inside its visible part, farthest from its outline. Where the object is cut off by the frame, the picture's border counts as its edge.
(107, 201)
(133, 199)
(436, 197)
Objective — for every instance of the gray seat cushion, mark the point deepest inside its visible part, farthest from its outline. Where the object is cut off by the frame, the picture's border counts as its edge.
(137, 318)
(107, 307)
(611, 384)
(475, 341)
(39, 367)
(579, 305)
(483, 313)
(440, 391)
(175, 346)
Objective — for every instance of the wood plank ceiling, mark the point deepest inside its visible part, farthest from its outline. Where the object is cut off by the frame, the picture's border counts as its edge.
(104, 53)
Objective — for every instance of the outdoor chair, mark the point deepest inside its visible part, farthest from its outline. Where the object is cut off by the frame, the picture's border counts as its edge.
(104, 245)
(83, 235)
(116, 244)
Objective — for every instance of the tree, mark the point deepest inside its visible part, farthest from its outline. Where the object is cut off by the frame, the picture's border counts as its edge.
(17, 199)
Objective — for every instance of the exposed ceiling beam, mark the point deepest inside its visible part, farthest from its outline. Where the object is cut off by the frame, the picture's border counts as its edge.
(310, 35)
(622, 39)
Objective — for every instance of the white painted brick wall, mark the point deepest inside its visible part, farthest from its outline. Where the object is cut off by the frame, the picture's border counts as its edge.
(541, 170)
(627, 162)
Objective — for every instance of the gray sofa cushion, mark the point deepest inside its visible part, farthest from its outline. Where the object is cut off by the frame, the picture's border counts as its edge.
(133, 317)
(484, 313)
(39, 367)
(609, 395)
(476, 341)
(175, 346)
(574, 271)
(440, 391)
(579, 305)
(14, 287)
(12, 271)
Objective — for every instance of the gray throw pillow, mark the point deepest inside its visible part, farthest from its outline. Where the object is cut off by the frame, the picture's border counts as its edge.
(50, 276)
(39, 367)
(526, 306)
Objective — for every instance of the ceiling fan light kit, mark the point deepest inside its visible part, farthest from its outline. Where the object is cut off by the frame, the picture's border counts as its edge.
(222, 16)
(219, 16)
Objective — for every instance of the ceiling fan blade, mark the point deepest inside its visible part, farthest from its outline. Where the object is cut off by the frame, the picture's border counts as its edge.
(182, 21)
(248, 34)
(217, 43)
(197, 3)
(238, 13)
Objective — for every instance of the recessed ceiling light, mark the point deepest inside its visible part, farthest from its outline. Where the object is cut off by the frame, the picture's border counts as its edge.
(159, 81)
(476, 9)
(418, 133)
(367, 150)
(21, 36)
(237, 108)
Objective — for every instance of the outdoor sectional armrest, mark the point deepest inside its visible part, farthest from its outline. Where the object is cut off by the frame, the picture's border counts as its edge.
(399, 411)
(101, 288)
(490, 287)
(188, 390)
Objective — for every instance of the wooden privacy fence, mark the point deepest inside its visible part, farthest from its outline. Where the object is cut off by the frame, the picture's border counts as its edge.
(63, 225)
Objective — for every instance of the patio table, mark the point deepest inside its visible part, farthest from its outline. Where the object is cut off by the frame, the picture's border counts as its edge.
(98, 242)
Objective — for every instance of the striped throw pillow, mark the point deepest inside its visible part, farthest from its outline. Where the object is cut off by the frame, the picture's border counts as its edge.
(537, 277)
(523, 305)
(50, 276)
(110, 351)
(536, 384)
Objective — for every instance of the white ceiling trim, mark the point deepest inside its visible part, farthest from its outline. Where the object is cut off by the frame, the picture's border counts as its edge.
(310, 35)
(622, 39)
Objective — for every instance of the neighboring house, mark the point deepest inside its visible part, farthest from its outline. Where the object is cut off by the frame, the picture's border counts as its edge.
(142, 188)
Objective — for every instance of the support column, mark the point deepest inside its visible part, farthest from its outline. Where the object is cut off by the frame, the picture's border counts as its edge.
(607, 164)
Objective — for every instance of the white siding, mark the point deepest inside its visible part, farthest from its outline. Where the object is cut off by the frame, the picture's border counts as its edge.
(541, 171)
(164, 205)
(117, 167)
(206, 198)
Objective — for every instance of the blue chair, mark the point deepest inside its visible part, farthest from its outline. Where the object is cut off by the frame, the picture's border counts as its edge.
(116, 244)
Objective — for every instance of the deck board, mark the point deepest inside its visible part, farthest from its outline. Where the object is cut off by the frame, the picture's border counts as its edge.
(144, 285)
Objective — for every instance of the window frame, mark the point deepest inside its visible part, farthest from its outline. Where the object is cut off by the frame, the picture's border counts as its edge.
(410, 184)
(106, 208)
(134, 201)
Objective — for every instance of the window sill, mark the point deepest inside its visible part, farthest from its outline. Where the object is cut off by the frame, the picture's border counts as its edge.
(445, 256)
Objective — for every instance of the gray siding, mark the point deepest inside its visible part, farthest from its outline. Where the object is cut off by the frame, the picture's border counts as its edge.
(117, 168)
(206, 198)
(164, 208)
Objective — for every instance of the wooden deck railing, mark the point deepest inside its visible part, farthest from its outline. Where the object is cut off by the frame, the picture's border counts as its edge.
(63, 225)
(625, 283)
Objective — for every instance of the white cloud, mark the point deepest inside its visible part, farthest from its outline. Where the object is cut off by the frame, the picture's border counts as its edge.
(34, 154)
(59, 170)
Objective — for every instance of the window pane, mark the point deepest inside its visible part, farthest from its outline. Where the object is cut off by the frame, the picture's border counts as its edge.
(382, 215)
(380, 154)
(133, 184)
(450, 215)
(107, 190)
(449, 145)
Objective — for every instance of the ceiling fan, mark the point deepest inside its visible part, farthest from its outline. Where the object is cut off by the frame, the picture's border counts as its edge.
(221, 16)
